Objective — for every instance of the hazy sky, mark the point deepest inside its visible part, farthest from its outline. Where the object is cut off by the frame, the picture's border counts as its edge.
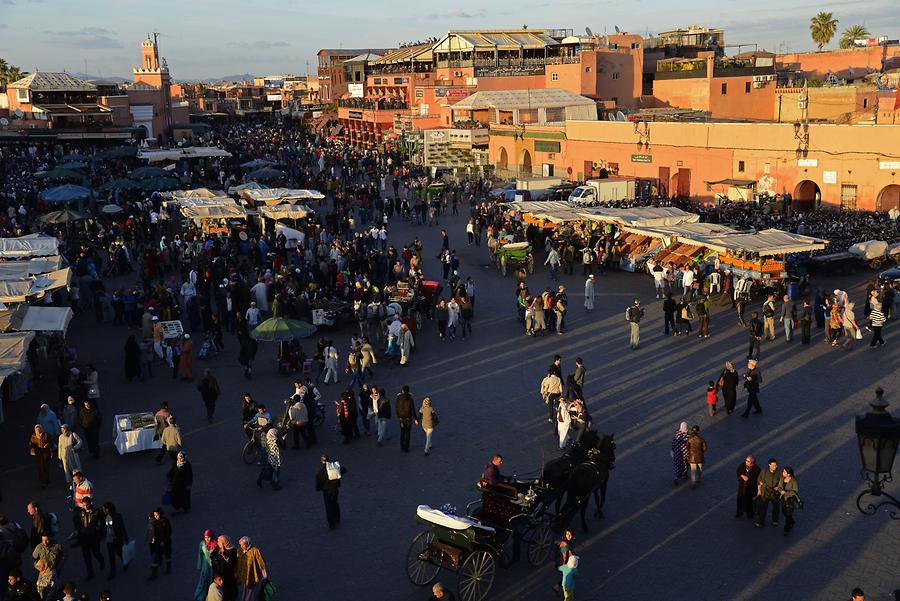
(207, 39)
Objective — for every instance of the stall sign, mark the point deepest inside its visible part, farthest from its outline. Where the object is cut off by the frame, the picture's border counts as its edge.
(889, 165)
(355, 114)
(457, 93)
(829, 177)
(217, 230)
(641, 158)
(807, 162)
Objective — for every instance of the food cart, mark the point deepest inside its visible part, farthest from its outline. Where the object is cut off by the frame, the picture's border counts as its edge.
(133, 432)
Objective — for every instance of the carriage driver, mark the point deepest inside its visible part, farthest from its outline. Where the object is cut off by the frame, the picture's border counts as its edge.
(492, 471)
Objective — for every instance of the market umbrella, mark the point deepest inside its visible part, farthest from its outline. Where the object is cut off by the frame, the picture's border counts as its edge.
(73, 165)
(278, 329)
(111, 209)
(265, 173)
(147, 172)
(257, 163)
(65, 193)
(120, 184)
(159, 184)
(119, 152)
(60, 174)
(63, 216)
(247, 186)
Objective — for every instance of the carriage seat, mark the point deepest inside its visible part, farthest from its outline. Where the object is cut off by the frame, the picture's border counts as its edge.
(454, 522)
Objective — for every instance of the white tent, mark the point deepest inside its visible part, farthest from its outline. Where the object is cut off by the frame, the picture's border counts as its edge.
(32, 245)
(276, 196)
(293, 236)
(285, 211)
(214, 212)
(213, 201)
(248, 186)
(17, 291)
(46, 319)
(195, 193)
(190, 152)
(13, 349)
(563, 211)
(20, 270)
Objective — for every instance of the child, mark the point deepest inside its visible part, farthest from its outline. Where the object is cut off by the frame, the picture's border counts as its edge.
(712, 396)
(569, 571)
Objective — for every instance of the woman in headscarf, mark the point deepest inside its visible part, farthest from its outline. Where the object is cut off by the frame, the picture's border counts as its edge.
(224, 563)
(204, 565)
(132, 358)
(728, 381)
(186, 361)
(679, 454)
(67, 451)
(40, 448)
(181, 478)
(428, 419)
(251, 570)
(49, 422)
(271, 469)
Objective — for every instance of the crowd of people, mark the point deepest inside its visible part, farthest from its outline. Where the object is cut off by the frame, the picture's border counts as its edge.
(346, 260)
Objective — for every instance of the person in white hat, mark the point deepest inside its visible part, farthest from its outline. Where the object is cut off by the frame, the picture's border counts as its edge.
(589, 293)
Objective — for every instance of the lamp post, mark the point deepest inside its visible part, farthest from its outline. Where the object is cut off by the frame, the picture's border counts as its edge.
(878, 433)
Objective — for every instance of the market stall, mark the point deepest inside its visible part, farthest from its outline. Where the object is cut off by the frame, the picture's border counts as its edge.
(213, 217)
(15, 373)
(285, 212)
(176, 154)
(18, 291)
(32, 245)
(20, 270)
(135, 432)
(276, 196)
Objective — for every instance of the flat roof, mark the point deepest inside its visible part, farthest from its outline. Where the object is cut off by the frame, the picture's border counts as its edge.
(516, 99)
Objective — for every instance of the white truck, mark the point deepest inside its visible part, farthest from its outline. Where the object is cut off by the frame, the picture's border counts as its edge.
(538, 187)
(604, 190)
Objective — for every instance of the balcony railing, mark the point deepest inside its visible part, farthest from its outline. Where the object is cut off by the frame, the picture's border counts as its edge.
(563, 60)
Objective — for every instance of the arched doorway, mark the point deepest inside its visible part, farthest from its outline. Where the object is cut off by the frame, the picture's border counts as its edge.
(888, 198)
(807, 196)
(526, 163)
(503, 159)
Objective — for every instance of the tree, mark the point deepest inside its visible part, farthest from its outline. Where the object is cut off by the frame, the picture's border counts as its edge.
(822, 28)
(852, 33)
(9, 74)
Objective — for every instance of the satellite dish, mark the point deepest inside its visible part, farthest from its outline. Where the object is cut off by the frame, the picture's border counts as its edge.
(588, 31)
(617, 28)
(19, 113)
(4, 121)
(620, 116)
(610, 117)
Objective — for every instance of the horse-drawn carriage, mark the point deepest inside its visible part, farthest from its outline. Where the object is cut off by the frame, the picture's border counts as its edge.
(523, 512)
(475, 544)
(514, 254)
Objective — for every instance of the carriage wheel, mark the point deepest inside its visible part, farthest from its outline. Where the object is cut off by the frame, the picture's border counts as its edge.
(540, 544)
(420, 571)
(530, 264)
(476, 576)
(503, 264)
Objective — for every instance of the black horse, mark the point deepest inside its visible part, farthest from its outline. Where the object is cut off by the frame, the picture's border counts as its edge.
(590, 476)
(557, 472)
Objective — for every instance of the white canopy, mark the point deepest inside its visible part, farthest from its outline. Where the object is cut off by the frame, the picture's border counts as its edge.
(276, 196)
(17, 291)
(196, 193)
(36, 319)
(13, 349)
(562, 211)
(32, 245)
(20, 270)
(763, 243)
(216, 201)
(173, 154)
(293, 236)
(285, 211)
(214, 212)
(248, 186)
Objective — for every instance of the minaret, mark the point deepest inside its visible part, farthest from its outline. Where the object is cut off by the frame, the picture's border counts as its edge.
(154, 72)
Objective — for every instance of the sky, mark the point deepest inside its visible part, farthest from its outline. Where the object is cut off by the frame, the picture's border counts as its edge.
(203, 39)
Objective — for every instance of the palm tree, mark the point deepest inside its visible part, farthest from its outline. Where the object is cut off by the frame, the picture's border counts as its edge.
(854, 32)
(822, 28)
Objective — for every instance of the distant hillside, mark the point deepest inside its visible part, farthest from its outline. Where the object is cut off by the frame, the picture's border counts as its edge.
(95, 77)
(224, 78)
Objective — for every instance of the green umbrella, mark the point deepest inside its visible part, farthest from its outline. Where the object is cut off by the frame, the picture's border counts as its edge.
(60, 174)
(159, 184)
(277, 329)
(147, 173)
(120, 184)
(63, 216)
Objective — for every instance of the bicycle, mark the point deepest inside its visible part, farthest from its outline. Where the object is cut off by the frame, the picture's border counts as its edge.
(251, 450)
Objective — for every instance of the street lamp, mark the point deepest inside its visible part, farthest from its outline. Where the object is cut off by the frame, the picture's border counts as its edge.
(878, 433)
